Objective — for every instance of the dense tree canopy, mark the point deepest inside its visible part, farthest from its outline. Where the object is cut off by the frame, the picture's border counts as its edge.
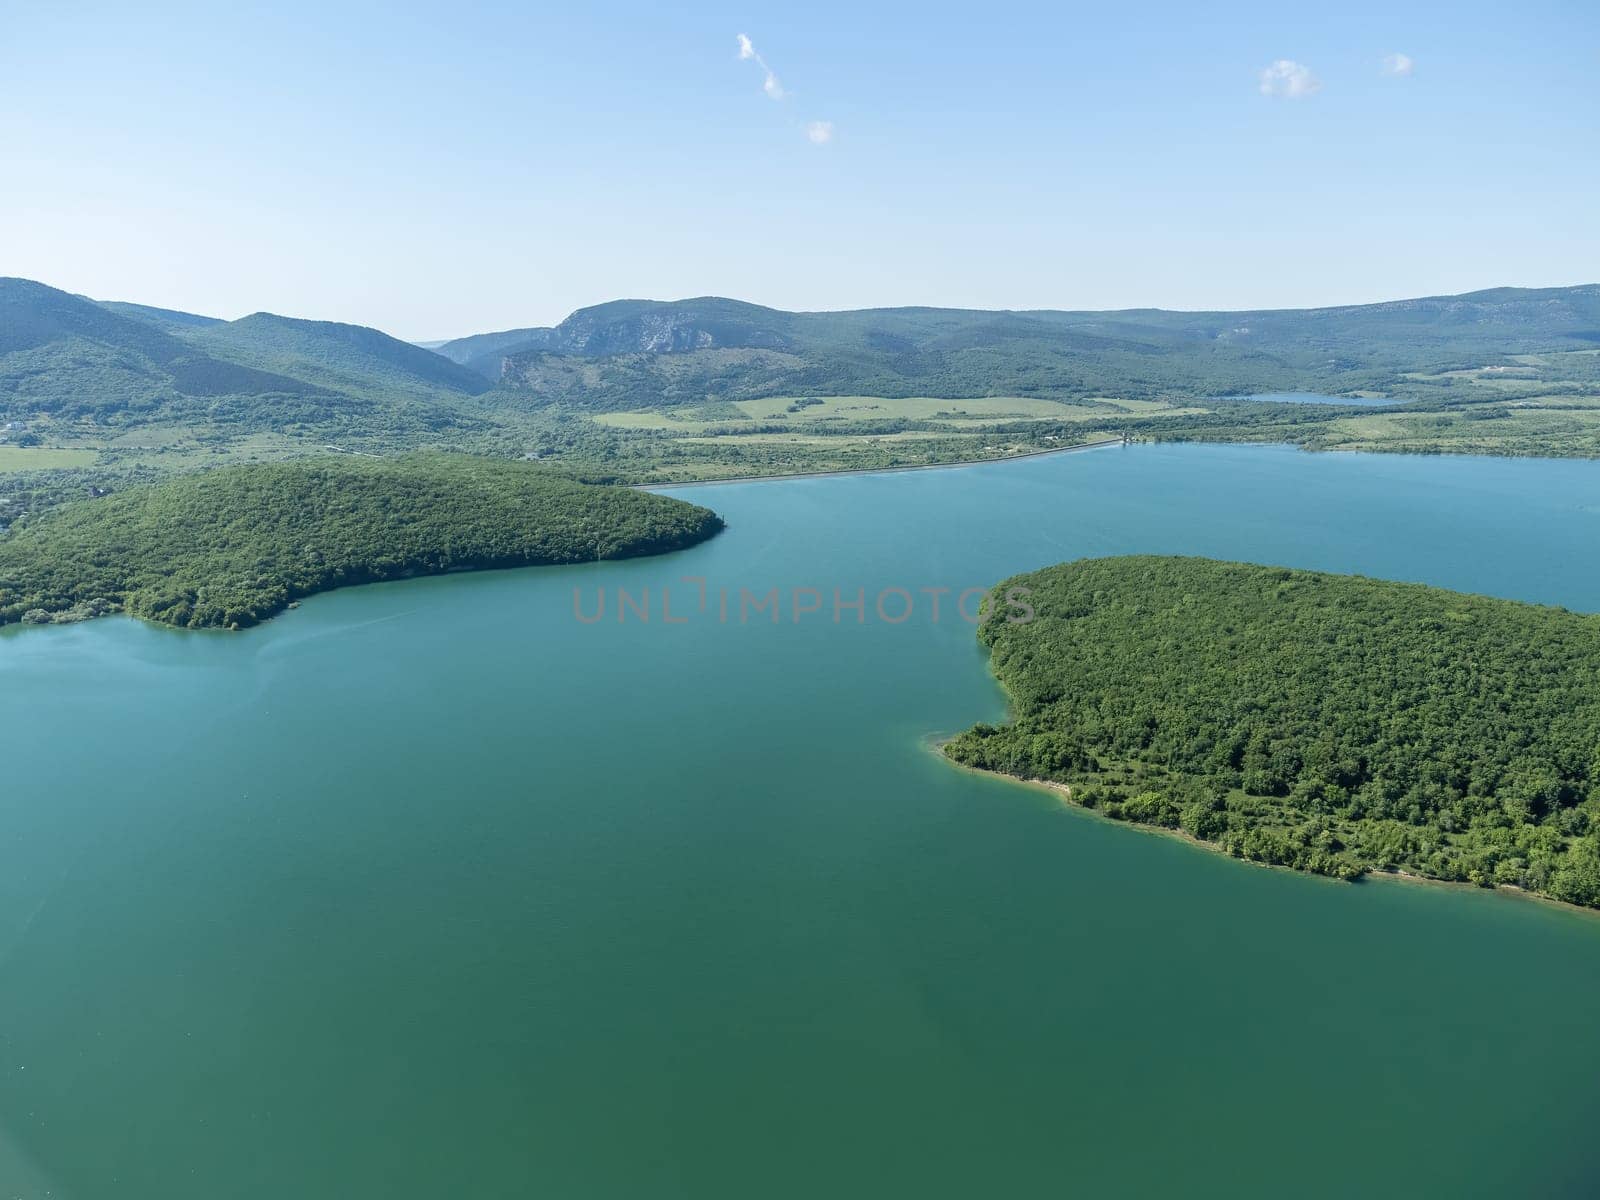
(233, 546)
(1331, 723)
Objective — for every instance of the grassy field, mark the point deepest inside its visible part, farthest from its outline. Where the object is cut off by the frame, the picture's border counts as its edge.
(1523, 373)
(915, 408)
(818, 439)
(789, 434)
(1490, 377)
(692, 419)
(654, 418)
(40, 458)
(1137, 406)
(955, 415)
(1552, 426)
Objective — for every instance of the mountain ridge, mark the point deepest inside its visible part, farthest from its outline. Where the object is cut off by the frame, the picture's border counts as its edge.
(335, 352)
(68, 357)
(117, 363)
(635, 354)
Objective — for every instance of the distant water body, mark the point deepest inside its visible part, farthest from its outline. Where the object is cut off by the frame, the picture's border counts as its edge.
(435, 889)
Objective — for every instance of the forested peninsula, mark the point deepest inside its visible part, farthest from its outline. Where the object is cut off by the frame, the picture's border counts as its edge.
(230, 547)
(1333, 724)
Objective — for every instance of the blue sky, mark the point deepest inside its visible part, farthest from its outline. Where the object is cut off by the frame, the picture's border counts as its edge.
(449, 169)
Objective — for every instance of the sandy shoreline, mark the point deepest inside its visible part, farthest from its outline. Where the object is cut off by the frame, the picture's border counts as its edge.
(949, 466)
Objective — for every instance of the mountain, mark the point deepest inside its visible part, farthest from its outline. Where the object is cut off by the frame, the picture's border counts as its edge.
(166, 317)
(485, 353)
(631, 326)
(343, 357)
(69, 358)
(641, 326)
(63, 355)
(124, 365)
(636, 353)
(35, 315)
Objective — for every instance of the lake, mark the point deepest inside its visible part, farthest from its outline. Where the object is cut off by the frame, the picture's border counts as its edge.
(439, 889)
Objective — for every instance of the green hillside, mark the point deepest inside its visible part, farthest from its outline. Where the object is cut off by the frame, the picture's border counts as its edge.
(88, 370)
(168, 318)
(233, 546)
(350, 358)
(622, 327)
(633, 353)
(67, 356)
(1330, 723)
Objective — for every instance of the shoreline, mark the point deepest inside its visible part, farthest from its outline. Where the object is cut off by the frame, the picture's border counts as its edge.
(1147, 438)
(294, 598)
(949, 466)
(1063, 793)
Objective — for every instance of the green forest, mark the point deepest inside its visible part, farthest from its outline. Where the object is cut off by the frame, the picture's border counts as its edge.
(230, 547)
(1333, 724)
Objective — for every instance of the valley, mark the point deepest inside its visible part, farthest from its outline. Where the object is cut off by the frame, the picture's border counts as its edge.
(101, 396)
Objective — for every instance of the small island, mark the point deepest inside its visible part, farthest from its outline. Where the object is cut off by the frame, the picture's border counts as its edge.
(1332, 724)
(230, 547)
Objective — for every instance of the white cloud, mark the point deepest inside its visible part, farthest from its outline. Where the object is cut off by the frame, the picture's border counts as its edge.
(769, 85)
(818, 133)
(1289, 80)
(1398, 64)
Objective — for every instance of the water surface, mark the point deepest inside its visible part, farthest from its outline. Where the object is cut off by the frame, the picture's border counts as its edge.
(430, 889)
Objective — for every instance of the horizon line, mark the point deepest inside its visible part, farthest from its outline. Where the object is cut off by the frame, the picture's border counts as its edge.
(437, 341)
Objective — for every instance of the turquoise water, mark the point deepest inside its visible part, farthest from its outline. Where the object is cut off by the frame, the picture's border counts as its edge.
(432, 889)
